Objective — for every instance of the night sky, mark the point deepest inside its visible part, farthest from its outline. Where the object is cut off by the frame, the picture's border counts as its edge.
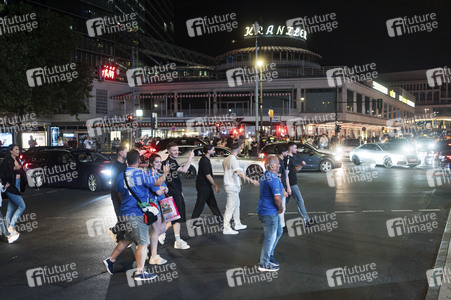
(361, 36)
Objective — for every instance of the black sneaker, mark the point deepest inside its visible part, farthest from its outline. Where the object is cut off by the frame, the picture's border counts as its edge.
(144, 276)
(273, 261)
(109, 265)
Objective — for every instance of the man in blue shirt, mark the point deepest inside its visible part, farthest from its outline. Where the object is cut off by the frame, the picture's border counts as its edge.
(268, 208)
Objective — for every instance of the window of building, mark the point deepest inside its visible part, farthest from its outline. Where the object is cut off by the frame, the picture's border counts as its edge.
(374, 107)
(359, 103)
(350, 100)
(367, 105)
(385, 110)
(101, 101)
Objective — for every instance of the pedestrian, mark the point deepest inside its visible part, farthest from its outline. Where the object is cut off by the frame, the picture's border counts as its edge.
(204, 185)
(88, 142)
(174, 184)
(139, 182)
(10, 238)
(292, 184)
(12, 172)
(323, 142)
(232, 187)
(283, 175)
(268, 208)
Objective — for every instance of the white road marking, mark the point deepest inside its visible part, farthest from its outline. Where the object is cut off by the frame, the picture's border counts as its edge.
(401, 210)
(345, 211)
(431, 209)
(373, 211)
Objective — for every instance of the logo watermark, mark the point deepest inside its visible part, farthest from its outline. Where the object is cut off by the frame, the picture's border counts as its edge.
(403, 126)
(107, 25)
(438, 276)
(204, 125)
(49, 275)
(438, 76)
(99, 226)
(100, 126)
(46, 75)
(438, 176)
(18, 123)
(204, 225)
(362, 173)
(139, 76)
(415, 224)
(338, 76)
(14, 24)
(26, 222)
(409, 25)
(241, 276)
(209, 25)
(323, 223)
(349, 275)
(321, 23)
(165, 273)
(240, 76)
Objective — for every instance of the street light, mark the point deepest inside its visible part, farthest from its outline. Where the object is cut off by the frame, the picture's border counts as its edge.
(259, 65)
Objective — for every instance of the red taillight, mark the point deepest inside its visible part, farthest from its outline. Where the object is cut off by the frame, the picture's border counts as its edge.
(262, 155)
(448, 157)
(26, 165)
(152, 149)
(21, 156)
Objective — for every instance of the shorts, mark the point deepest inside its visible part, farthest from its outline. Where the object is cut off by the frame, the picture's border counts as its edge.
(179, 202)
(136, 230)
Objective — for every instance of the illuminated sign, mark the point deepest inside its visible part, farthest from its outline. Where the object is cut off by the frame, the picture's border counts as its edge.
(279, 31)
(108, 72)
(406, 101)
(392, 94)
(380, 88)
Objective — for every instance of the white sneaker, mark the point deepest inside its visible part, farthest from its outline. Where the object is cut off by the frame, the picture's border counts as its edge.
(240, 227)
(230, 231)
(161, 238)
(181, 245)
(13, 237)
(157, 260)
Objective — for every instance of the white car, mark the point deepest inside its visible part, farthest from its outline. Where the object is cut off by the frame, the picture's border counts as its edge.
(253, 168)
(347, 146)
(182, 149)
(383, 154)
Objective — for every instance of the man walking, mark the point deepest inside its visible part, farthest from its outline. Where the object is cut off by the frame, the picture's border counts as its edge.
(283, 175)
(269, 205)
(232, 187)
(292, 183)
(204, 185)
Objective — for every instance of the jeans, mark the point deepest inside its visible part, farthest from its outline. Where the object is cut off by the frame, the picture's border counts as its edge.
(232, 206)
(14, 200)
(296, 193)
(272, 231)
(3, 228)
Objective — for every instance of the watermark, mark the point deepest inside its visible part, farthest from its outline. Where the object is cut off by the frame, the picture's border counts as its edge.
(204, 225)
(14, 24)
(323, 223)
(99, 226)
(107, 25)
(155, 74)
(321, 23)
(18, 123)
(438, 176)
(305, 121)
(165, 273)
(415, 224)
(401, 126)
(349, 275)
(100, 126)
(362, 173)
(208, 25)
(204, 125)
(338, 76)
(241, 276)
(438, 76)
(53, 175)
(409, 25)
(438, 276)
(51, 275)
(55, 74)
(240, 76)
(26, 222)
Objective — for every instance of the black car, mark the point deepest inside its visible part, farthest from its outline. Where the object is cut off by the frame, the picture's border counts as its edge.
(315, 159)
(69, 167)
(31, 152)
(442, 154)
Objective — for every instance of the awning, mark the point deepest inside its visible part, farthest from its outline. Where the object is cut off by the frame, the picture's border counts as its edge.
(128, 96)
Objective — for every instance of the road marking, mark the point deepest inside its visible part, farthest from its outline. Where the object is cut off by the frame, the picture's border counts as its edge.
(401, 210)
(373, 211)
(431, 209)
(345, 211)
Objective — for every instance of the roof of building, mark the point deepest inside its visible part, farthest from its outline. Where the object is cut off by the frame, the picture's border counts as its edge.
(270, 49)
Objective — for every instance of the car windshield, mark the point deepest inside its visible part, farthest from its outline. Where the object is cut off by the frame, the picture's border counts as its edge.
(351, 143)
(387, 146)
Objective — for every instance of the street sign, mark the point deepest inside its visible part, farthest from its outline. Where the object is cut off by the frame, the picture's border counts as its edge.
(276, 119)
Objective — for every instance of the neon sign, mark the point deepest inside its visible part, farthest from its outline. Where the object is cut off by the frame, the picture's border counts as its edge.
(279, 31)
(108, 72)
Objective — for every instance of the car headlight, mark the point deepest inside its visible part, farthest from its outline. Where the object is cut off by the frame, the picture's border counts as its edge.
(408, 149)
(106, 172)
(338, 156)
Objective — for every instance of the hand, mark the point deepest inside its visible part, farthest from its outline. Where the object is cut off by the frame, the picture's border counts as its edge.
(255, 183)
(166, 169)
(279, 211)
(7, 185)
(303, 163)
(217, 189)
(285, 194)
(289, 190)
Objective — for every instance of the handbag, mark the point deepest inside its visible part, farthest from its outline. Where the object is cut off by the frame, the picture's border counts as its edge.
(168, 209)
(149, 218)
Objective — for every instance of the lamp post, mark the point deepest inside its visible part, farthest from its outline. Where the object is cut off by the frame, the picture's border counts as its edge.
(256, 30)
(260, 64)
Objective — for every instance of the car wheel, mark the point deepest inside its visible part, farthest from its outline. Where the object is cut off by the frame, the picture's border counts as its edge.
(93, 183)
(388, 162)
(325, 165)
(191, 173)
(254, 172)
(356, 160)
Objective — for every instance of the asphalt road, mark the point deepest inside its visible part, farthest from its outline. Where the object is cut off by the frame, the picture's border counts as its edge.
(350, 256)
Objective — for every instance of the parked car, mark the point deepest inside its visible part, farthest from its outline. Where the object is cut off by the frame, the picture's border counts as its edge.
(69, 167)
(442, 154)
(315, 159)
(252, 167)
(386, 154)
(31, 152)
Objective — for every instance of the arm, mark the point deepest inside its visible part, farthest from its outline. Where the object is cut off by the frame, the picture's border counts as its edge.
(162, 178)
(245, 178)
(278, 201)
(212, 181)
(184, 168)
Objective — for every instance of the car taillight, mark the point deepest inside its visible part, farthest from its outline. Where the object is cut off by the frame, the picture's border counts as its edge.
(262, 155)
(26, 165)
(21, 156)
(448, 157)
(152, 149)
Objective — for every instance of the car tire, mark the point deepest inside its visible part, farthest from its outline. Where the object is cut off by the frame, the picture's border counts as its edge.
(326, 165)
(356, 160)
(254, 172)
(93, 183)
(191, 173)
(388, 163)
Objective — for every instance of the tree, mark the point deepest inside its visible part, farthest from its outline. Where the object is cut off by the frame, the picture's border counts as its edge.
(51, 44)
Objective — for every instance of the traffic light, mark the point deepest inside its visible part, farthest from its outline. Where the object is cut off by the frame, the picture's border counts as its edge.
(337, 128)
(130, 118)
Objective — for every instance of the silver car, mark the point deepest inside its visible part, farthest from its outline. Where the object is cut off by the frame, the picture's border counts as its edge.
(385, 154)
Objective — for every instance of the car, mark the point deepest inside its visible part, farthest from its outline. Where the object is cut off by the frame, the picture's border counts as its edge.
(386, 154)
(316, 159)
(347, 145)
(253, 168)
(69, 167)
(146, 151)
(442, 154)
(182, 149)
(31, 152)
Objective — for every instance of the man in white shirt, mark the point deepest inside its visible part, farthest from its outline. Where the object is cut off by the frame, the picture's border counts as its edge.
(232, 187)
(88, 143)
